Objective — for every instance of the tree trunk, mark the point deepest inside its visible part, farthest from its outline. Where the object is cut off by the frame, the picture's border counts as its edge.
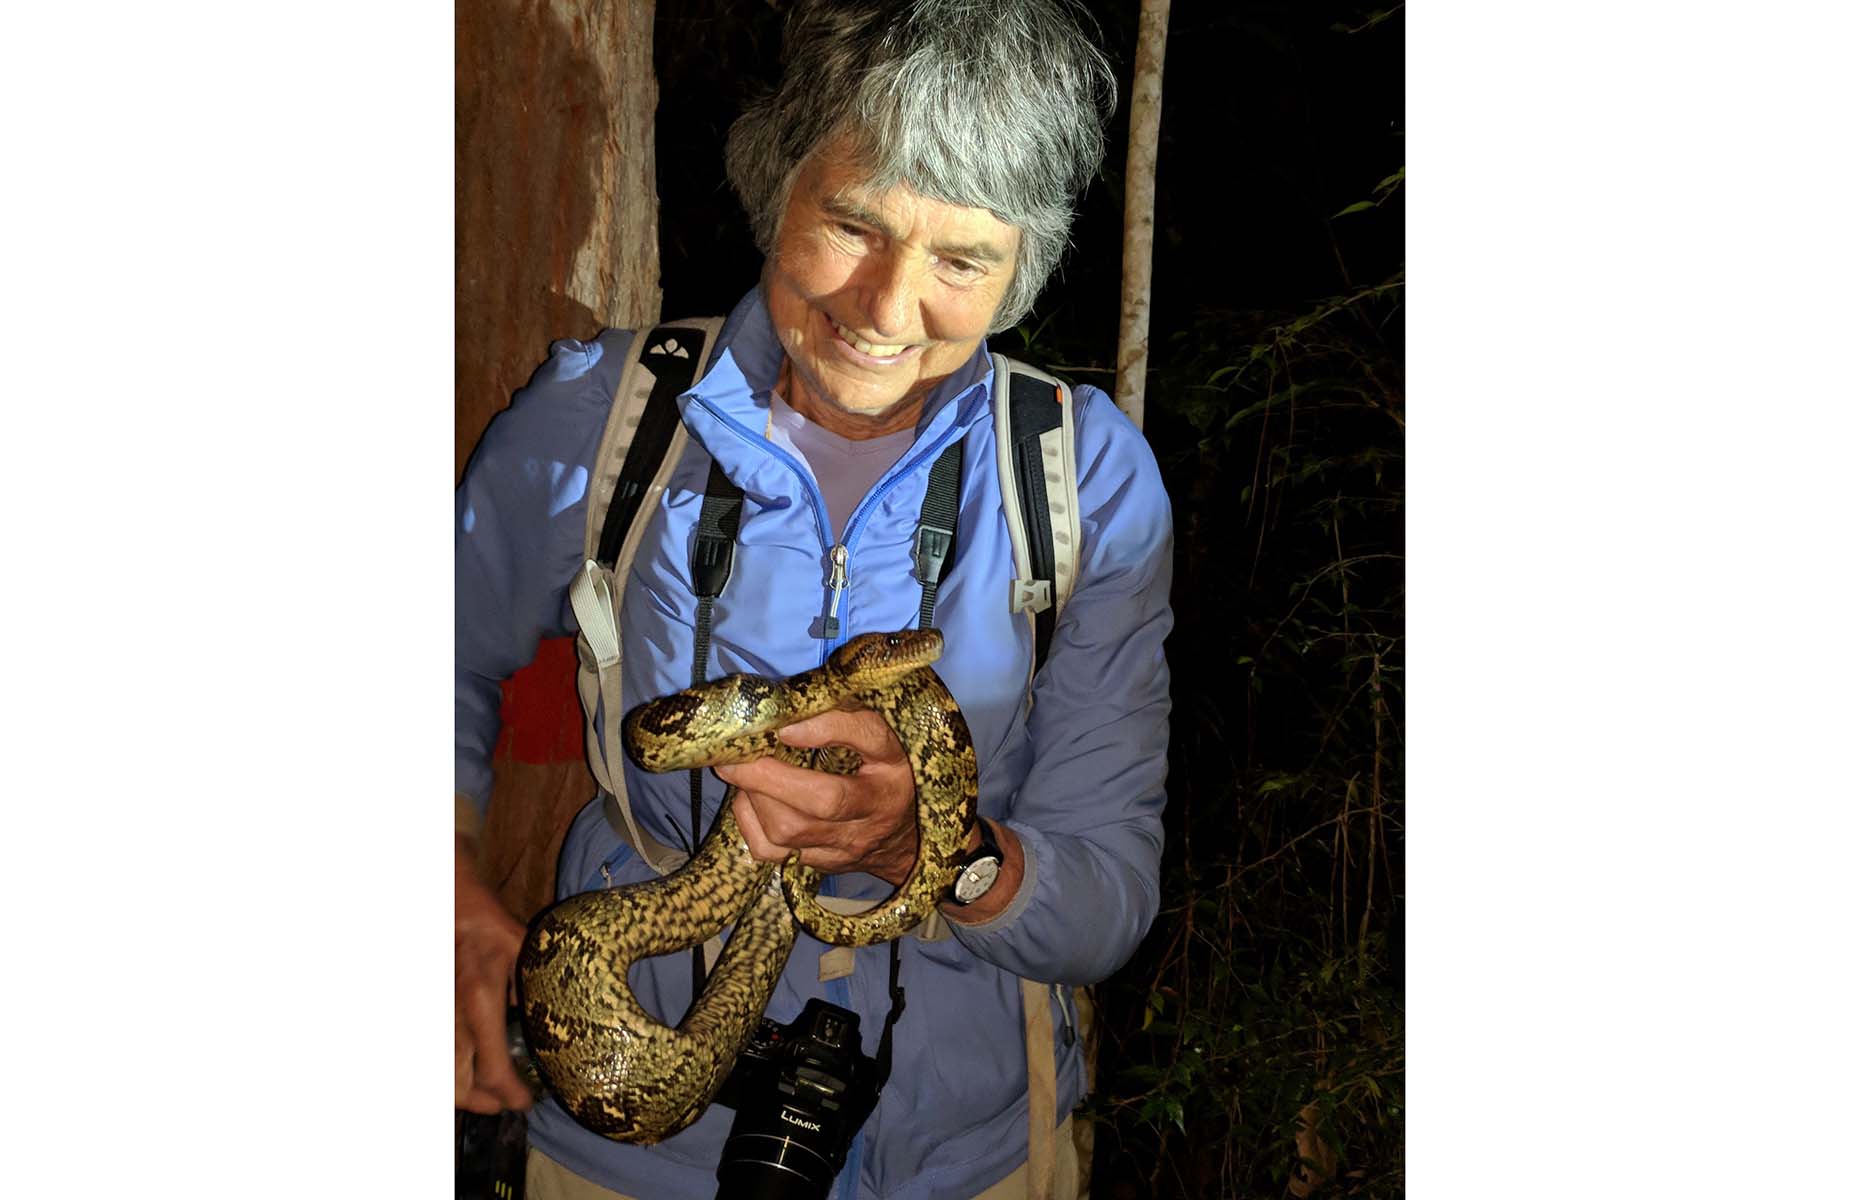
(556, 236)
(1133, 334)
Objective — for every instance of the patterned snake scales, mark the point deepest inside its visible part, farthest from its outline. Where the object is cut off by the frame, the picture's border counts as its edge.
(613, 1067)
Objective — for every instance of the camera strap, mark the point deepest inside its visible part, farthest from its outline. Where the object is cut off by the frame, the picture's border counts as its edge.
(883, 1058)
(936, 546)
(712, 553)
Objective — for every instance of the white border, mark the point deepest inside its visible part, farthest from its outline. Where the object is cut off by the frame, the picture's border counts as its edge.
(1632, 799)
(229, 359)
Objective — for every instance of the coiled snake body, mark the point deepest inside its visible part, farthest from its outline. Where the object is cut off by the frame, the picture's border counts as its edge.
(613, 1067)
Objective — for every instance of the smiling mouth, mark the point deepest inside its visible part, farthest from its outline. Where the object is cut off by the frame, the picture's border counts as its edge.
(873, 349)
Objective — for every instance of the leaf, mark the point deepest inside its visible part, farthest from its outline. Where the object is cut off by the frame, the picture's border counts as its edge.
(1359, 206)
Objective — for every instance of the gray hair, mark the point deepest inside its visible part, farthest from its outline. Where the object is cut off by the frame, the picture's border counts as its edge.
(995, 104)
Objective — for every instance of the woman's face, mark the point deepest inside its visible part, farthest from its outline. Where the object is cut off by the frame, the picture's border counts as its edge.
(876, 296)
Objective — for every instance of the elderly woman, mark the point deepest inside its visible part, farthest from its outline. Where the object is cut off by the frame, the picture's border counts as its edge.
(911, 184)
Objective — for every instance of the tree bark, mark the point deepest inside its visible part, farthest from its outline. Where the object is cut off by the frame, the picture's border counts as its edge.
(556, 228)
(1133, 334)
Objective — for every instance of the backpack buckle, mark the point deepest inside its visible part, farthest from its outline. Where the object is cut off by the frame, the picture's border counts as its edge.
(931, 552)
(1031, 594)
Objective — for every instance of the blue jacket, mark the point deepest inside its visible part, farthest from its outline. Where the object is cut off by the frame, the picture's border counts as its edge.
(1078, 777)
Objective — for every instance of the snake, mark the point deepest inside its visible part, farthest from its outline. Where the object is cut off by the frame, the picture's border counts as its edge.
(614, 1067)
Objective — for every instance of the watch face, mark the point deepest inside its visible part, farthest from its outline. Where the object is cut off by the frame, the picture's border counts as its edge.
(976, 879)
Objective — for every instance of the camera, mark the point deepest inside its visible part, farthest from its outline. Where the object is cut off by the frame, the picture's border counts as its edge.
(801, 1091)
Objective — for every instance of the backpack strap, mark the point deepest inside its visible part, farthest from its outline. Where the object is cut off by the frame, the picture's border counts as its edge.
(713, 553)
(1038, 469)
(640, 446)
(936, 529)
(642, 427)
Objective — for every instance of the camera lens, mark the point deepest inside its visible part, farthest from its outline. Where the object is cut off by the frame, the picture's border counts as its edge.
(761, 1165)
(801, 1092)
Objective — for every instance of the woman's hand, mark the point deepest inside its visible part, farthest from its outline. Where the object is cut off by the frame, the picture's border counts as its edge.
(485, 943)
(838, 823)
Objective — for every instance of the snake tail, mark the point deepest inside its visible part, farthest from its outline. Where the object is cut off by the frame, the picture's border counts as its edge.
(613, 1066)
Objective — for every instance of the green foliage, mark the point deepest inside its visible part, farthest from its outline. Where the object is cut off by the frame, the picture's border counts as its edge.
(1268, 996)
(1366, 20)
(1383, 191)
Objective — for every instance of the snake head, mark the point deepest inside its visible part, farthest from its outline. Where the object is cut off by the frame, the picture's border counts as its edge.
(879, 659)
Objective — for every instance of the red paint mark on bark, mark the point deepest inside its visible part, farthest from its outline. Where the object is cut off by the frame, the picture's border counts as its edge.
(541, 714)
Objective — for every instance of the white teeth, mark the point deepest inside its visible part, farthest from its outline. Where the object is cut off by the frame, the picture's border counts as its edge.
(865, 347)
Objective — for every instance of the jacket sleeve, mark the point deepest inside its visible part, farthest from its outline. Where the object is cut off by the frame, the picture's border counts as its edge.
(520, 513)
(1089, 813)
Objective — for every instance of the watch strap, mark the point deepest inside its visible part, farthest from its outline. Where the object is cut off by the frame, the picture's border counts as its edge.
(989, 849)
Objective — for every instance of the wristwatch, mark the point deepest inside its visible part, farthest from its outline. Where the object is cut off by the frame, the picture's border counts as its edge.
(978, 869)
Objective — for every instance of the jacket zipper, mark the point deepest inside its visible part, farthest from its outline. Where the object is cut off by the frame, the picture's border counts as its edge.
(839, 554)
(836, 585)
(818, 502)
(1065, 1014)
